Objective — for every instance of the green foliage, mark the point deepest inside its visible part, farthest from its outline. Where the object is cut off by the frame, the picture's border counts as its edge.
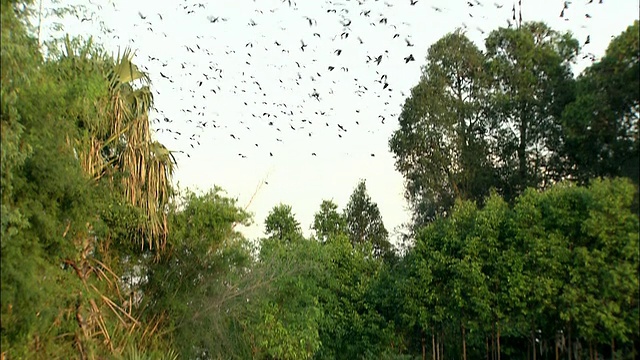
(532, 264)
(540, 268)
(440, 146)
(60, 295)
(480, 121)
(364, 222)
(48, 203)
(135, 354)
(328, 222)
(195, 280)
(282, 225)
(282, 319)
(533, 83)
(601, 125)
(351, 327)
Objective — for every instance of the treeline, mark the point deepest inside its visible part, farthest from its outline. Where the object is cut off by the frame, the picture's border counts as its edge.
(514, 117)
(102, 258)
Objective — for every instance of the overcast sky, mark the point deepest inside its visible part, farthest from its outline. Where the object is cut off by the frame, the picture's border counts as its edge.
(219, 55)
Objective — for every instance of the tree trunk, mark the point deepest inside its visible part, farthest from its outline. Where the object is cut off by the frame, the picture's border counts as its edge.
(493, 341)
(570, 342)
(579, 350)
(424, 347)
(488, 352)
(590, 350)
(522, 152)
(40, 25)
(498, 338)
(533, 344)
(433, 343)
(613, 349)
(464, 344)
(556, 346)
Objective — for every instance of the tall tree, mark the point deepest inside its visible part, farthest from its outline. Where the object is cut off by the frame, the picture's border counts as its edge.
(601, 125)
(364, 221)
(328, 222)
(281, 224)
(200, 284)
(440, 147)
(532, 82)
(148, 163)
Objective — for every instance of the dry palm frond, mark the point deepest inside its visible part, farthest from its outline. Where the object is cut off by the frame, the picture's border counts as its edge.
(121, 140)
(147, 164)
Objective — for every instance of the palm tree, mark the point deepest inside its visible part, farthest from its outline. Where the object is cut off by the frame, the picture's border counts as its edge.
(120, 141)
(148, 164)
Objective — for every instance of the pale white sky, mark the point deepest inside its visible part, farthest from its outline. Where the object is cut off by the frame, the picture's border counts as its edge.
(221, 50)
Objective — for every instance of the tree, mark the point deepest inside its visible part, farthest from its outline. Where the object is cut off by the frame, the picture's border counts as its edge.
(199, 285)
(494, 281)
(532, 83)
(60, 294)
(60, 284)
(328, 222)
(440, 147)
(281, 224)
(364, 221)
(282, 319)
(600, 128)
(117, 141)
(351, 326)
(567, 252)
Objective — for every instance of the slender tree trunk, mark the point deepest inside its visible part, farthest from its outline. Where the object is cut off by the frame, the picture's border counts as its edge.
(570, 342)
(556, 346)
(433, 343)
(424, 347)
(40, 24)
(579, 351)
(613, 349)
(533, 344)
(488, 352)
(493, 341)
(498, 338)
(590, 350)
(464, 344)
(522, 151)
(438, 347)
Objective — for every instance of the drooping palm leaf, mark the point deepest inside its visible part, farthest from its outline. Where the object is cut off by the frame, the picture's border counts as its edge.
(122, 141)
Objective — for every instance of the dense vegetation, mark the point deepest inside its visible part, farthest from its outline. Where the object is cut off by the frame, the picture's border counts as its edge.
(524, 245)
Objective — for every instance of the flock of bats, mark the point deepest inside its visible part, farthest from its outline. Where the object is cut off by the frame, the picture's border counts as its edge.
(318, 63)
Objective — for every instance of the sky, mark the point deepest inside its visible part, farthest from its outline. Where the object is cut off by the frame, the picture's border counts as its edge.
(246, 108)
